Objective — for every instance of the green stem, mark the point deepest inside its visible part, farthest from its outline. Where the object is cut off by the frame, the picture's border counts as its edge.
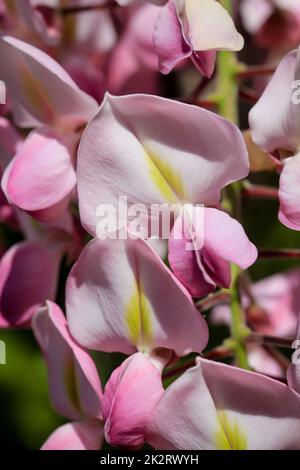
(227, 91)
(227, 101)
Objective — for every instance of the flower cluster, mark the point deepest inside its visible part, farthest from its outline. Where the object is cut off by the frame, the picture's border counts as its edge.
(90, 117)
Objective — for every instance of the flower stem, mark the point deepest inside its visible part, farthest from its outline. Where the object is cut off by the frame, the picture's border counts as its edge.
(265, 340)
(221, 297)
(288, 253)
(221, 352)
(227, 99)
(254, 71)
(264, 192)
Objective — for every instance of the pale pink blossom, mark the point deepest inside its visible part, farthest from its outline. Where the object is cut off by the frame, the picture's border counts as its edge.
(121, 297)
(275, 126)
(216, 406)
(165, 152)
(194, 29)
(43, 94)
(129, 398)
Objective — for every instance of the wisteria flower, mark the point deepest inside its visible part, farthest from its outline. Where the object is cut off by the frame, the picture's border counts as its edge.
(150, 147)
(225, 408)
(194, 29)
(275, 126)
(42, 94)
(121, 297)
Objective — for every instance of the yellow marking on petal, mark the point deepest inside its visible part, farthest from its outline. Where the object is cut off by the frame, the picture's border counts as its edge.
(69, 380)
(229, 436)
(165, 178)
(39, 97)
(138, 318)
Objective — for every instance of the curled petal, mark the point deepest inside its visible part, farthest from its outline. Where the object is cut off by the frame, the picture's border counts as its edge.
(129, 398)
(169, 43)
(204, 267)
(208, 26)
(73, 379)
(41, 177)
(231, 243)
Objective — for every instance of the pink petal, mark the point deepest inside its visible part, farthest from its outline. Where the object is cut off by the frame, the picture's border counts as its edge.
(121, 297)
(76, 436)
(169, 43)
(136, 139)
(41, 86)
(205, 61)
(28, 276)
(216, 406)
(187, 264)
(41, 177)
(129, 398)
(203, 268)
(260, 360)
(73, 378)
(274, 122)
(289, 193)
(255, 13)
(225, 238)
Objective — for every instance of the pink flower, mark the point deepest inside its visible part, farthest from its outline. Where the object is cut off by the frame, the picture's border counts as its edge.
(75, 388)
(275, 126)
(149, 144)
(131, 302)
(216, 406)
(133, 65)
(42, 94)
(129, 398)
(195, 29)
(29, 270)
(28, 20)
(202, 269)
